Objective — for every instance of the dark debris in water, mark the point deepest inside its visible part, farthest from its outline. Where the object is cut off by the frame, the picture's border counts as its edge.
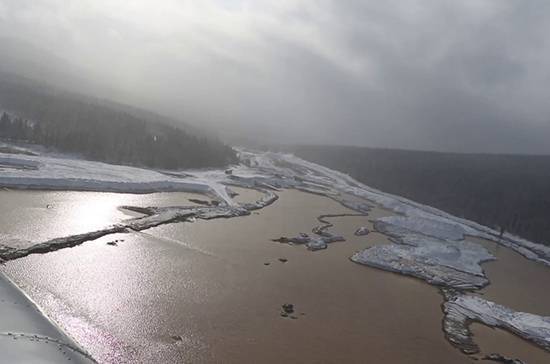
(288, 308)
(502, 359)
(115, 242)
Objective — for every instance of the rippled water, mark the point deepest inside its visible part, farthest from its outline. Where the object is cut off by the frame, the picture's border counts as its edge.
(202, 292)
(42, 215)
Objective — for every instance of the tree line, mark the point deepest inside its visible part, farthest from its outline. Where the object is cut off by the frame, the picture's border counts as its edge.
(94, 131)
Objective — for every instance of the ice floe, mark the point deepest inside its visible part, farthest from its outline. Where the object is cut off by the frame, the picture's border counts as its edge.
(321, 238)
(449, 264)
(460, 310)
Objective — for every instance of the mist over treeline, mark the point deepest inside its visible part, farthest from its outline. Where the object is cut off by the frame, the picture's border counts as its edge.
(445, 75)
(37, 114)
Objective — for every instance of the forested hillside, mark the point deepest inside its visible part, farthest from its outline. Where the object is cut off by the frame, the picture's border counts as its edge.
(512, 191)
(38, 114)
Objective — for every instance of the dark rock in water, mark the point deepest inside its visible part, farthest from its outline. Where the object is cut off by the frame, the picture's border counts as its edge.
(267, 263)
(176, 338)
(283, 260)
(112, 243)
(362, 231)
(282, 240)
(200, 202)
(231, 193)
(302, 238)
(288, 308)
(502, 359)
(312, 243)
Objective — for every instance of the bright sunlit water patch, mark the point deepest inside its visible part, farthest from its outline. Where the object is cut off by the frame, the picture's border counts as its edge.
(38, 216)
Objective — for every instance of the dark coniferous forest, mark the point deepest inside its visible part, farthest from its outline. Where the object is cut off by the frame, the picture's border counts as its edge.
(509, 191)
(74, 124)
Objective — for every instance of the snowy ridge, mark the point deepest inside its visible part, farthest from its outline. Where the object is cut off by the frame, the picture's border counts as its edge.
(76, 174)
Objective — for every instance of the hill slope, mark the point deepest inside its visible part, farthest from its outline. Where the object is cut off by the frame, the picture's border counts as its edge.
(101, 131)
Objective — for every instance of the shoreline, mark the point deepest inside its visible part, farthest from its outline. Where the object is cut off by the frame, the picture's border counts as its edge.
(24, 329)
(426, 233)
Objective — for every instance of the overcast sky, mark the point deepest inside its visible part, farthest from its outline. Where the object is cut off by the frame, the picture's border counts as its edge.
(468, 75)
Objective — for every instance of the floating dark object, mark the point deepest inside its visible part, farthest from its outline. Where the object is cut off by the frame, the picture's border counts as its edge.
(283, 260)
(288, 308)
(199, 202)
(502, 359)
(204, 202)
(112, 243)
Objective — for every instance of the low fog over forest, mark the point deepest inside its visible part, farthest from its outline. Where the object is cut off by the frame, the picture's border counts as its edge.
(37, 114)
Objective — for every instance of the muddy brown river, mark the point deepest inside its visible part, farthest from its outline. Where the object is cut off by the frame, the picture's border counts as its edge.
(211, 291)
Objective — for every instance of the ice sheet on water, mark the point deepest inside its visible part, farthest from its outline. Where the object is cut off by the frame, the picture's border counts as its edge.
(461, 309)
(449, 264)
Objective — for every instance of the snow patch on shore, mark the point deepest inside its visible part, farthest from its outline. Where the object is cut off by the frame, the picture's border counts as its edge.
(76, 174)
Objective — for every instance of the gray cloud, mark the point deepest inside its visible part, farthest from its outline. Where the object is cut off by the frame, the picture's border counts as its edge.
(466, 75)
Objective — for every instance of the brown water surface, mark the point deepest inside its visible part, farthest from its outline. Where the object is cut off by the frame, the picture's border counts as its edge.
(492, 340)
(200, 292)
(211, 291)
